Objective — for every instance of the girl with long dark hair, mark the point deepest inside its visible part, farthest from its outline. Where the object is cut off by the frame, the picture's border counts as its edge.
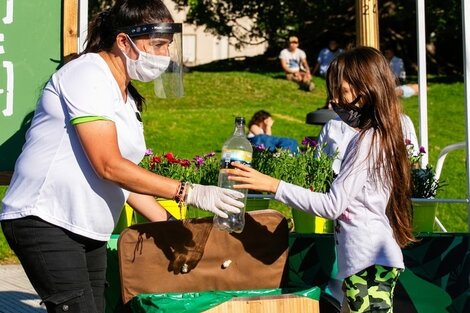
(370, 198)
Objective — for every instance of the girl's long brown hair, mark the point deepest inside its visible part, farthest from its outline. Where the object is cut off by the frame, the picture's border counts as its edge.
(369, 75)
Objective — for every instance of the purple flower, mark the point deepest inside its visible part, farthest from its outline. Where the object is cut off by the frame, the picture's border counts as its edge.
(309, 142)
(199, 160)
(422, 149)
(210, 154)
(148, 152)
(260, 147)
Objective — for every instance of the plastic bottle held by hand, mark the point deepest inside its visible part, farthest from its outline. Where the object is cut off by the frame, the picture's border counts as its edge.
(236, 149)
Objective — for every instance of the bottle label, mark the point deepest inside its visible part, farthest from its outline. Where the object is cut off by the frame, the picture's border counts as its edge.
(231, 155)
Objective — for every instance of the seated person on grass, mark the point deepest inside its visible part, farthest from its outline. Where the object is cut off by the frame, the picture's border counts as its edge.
(260, 134)
(294, 63)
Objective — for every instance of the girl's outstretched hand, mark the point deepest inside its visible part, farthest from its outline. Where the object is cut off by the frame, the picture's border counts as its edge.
(248, 178)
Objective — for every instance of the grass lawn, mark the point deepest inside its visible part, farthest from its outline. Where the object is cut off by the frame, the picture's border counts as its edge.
(203, 119)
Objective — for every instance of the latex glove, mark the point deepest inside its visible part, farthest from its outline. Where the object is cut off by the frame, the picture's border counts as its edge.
(215, 199)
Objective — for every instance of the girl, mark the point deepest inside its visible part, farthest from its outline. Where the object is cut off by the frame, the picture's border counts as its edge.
(370, 198)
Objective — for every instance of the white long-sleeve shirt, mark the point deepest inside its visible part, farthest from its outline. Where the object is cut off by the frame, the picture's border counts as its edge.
(336, 135)
(357, 202)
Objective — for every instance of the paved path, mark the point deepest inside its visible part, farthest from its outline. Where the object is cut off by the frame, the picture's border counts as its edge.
(16, 293)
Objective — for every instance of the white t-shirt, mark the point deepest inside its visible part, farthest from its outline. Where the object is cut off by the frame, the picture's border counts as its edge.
(293, 58)
(336, 135)
(53, 178)
(357, 202)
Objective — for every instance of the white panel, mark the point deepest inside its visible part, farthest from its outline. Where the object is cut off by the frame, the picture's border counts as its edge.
(220, 50)
(189, 48)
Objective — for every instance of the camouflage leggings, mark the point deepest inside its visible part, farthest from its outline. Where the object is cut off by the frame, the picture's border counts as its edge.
(371, 290)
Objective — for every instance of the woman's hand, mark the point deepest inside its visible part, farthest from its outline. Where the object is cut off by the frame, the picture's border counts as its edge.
(219, 201)
(269, 121)
(248, 178)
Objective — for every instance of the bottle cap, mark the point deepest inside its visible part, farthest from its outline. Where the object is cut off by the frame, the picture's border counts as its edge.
(239, 120)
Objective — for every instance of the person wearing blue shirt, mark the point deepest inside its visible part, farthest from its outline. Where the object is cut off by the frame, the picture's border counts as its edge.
(325, 57)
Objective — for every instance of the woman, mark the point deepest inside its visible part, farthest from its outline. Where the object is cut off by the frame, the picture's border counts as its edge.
(260, 133)
(370, 198)
(79, 163)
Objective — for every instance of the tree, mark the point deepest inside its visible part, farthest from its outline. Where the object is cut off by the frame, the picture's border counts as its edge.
(271, 20)
(316, 21)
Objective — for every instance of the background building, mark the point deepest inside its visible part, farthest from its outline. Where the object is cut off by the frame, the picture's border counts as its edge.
(201, 47)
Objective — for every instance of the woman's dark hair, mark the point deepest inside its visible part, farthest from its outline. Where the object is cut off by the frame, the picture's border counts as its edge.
(104, 27)
(369, 75)
(258, 117)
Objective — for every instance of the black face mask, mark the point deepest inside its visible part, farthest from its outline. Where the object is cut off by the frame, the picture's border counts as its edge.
(349, 113)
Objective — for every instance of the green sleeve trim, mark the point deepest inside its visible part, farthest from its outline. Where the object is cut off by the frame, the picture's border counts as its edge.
(85, 119)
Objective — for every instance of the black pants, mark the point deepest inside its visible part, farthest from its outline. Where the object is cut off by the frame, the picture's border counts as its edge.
(68, 271)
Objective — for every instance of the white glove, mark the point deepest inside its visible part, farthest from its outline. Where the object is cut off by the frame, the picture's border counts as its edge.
(215, 199)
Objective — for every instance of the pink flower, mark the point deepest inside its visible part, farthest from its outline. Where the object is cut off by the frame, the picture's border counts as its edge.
(199, 160)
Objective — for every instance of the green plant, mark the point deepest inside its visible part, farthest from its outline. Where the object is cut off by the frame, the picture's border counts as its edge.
(200, 170)
(310, 168)
(424, 183)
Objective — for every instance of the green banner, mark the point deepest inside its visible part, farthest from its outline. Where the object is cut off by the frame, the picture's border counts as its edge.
(30, 51)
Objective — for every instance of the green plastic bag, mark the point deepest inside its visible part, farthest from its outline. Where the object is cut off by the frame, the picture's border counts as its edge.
(195, 302)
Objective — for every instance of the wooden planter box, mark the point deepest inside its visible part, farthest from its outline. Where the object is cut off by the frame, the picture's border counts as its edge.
(274, 304)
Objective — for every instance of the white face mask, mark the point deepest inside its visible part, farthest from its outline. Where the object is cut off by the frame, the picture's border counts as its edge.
(147, 67)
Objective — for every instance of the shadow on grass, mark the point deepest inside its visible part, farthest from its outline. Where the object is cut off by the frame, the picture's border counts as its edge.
(265, 64)
(257, 64)
(446, 79)
(451, 79)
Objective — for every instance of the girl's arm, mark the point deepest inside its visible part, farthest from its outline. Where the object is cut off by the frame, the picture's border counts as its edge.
(268, 123)
(256, 130)
(349, 183)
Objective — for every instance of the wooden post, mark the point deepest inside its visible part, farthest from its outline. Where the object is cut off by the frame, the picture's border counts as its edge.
(367, 23)
(70, 30)
(5, 178)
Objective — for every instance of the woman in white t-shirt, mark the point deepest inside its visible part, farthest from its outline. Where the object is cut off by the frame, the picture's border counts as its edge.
(79, 164)
(370, 198)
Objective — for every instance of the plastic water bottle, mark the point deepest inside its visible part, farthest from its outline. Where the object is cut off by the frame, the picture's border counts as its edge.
(236, 149)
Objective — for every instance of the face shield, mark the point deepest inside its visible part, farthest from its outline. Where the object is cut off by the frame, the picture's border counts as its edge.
(165, 40)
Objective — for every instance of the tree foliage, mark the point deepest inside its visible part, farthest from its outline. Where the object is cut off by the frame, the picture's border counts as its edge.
(317, 21)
